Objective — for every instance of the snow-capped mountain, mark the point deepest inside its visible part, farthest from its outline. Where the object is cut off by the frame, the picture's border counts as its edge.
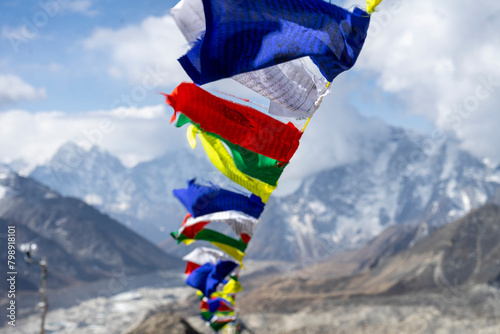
(407, 177)
(407, 180)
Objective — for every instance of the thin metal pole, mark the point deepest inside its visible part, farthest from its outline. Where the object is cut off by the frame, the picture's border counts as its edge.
(43, 291)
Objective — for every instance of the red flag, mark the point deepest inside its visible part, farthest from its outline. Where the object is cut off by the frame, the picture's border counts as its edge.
(239, 124)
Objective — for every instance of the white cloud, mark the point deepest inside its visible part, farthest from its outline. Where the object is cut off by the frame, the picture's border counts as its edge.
(432, 56)
(132, 134)
(13, 89)
(80, 6)
(336, 135)
(135, 50)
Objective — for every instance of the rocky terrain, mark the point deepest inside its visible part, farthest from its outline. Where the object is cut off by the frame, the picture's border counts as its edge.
(165, 322)
(474, 310)
(464, 253)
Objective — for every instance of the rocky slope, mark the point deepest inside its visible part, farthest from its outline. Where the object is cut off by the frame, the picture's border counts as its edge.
(455, 257)
(163, 323)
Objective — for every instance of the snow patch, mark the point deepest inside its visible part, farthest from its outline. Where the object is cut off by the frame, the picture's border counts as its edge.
(451, 188)
(3, 191)
(4, 173)
(488, 163)
(493, 178)
(123, 307)
(127, 296)
(317, 207)
(61, 221)
(382, 162)
(465, 201)
(93, 199)
(480, 197)
(50, 195)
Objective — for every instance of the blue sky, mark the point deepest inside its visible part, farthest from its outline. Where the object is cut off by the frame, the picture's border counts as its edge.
(50, 54)
(65, 65)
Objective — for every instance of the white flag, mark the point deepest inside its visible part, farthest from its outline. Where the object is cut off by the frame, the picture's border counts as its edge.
(239, 222)
(202, 255)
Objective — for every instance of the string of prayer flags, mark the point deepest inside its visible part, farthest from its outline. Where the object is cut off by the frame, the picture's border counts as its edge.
(265, 45)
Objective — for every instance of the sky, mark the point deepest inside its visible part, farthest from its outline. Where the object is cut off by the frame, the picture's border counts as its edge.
(90, 71)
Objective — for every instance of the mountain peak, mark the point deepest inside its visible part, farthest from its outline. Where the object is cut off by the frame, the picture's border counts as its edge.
(12, 185)
(70, 157)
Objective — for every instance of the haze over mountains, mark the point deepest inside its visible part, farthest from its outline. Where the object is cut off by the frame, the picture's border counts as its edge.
(404, 178)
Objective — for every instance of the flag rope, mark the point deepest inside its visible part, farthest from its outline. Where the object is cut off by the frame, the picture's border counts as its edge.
(319, 102)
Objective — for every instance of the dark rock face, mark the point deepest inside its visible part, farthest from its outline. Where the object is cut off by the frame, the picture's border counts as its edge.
(80, 243)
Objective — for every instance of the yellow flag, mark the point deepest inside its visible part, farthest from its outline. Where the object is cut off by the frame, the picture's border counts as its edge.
(231, 251)
(221, 159)
(371, 5)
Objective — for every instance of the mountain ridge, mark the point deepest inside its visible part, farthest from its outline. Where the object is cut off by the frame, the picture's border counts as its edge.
(405, 178)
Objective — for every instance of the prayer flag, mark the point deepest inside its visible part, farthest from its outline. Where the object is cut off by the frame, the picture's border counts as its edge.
(200, 200)
(207, 277)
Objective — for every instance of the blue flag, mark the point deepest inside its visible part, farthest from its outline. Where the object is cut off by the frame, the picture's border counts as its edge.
(208, 276)
(202, 200)
(247, 35)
